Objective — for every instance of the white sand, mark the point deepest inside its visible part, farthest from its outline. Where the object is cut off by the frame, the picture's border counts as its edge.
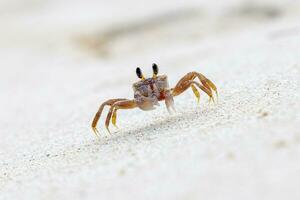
(51, 83)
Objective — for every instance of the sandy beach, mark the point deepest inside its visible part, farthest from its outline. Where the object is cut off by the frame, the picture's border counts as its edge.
(61, 59)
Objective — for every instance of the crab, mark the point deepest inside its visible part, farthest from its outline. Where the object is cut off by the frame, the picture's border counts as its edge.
(149, 91)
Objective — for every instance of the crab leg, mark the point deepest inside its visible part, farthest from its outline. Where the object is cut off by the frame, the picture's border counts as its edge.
(124, 104)
(196, 93)
(188, 81)
(191, 84)
(206, 82)
(204, 89)
(98, 114)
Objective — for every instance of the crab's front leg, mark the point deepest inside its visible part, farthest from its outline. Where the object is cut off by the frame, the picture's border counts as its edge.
(169, 100)
(188, 81)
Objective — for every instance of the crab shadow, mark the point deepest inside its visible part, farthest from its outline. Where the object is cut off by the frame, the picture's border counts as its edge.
(158, 127)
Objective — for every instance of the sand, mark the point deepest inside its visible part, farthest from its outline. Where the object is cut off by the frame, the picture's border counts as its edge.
(60, 60)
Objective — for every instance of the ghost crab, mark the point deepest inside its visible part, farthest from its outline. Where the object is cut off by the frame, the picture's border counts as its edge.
(148, 92)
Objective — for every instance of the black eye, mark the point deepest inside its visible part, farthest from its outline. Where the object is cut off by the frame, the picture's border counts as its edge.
(155, 69)
(139, 72)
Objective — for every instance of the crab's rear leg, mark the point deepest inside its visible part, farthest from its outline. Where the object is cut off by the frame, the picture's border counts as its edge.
(188, 81)
(206, 82)
(183, 86)
(196, 93)
(112, 114)
(204, 89)
(99, 112)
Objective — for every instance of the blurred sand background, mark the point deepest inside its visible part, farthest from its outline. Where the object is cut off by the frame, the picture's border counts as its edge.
(60, 59)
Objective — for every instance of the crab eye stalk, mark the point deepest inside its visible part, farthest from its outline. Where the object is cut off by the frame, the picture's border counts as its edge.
(139, 73)
(155, 69)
